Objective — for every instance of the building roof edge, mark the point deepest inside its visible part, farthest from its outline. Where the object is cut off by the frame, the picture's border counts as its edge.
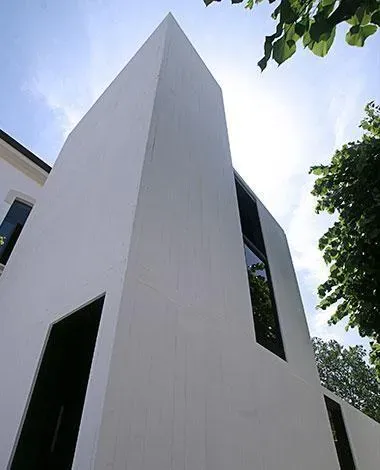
(24, 151)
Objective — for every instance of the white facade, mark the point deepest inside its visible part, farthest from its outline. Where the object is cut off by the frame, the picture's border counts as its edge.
(22, 175)
(141, 205)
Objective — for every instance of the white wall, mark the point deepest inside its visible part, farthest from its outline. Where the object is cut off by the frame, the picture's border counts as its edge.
(12, 179)
(298, 349)
(75, 245)
(363, 434)
(189, 387)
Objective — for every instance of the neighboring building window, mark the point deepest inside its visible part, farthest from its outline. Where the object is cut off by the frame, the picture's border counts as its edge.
(265, 317)
(338, 429)
(11, 227)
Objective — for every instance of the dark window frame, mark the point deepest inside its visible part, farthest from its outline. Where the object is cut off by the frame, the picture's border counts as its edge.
(71, 399)
(277, 346)
(10, 243)
(340, 434)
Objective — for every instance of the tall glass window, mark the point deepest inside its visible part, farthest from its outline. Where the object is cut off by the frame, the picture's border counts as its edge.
(11, 228)
(265, 317)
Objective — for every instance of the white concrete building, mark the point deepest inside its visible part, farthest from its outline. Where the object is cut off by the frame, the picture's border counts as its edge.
(131, 335)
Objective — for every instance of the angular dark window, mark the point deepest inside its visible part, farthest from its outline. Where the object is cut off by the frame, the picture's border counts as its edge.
(338, 429)
(11, 227)
(265, 317)
(49, 433)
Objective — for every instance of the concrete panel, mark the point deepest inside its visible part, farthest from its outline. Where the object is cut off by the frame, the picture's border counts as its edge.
(294, 329)
(189, 387)
(76, 242)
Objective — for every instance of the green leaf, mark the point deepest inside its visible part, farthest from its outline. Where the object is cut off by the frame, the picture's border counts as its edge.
(324, 11)
(325, 3)
(268, 46)
(375, 18)
(306, 39)
(357, 35)
(282, 50)
(301, 27)
(262, 63)
(321, 30)
(287, 14)
(317, 170)
(276, 12)
(362, 15)
(290, 33)
(208, 2)
(322, 47)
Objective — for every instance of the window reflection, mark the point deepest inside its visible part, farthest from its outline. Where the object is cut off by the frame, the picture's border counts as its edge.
(265, 318)
(266, 325)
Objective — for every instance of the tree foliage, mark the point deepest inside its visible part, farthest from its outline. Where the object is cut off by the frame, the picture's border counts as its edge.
(2, 240)
(350, 187)
(345, 372)
(314, 22)
(262, 301)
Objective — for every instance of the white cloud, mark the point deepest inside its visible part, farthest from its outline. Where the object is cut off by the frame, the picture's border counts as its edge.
(304, 230)
(70, 88)
(60, 96)
(264, 136)
(345, 109)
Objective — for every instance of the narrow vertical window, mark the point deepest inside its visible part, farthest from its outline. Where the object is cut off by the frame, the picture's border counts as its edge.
(11, 227)
(49, 433)
(265, 317)
(339, 433)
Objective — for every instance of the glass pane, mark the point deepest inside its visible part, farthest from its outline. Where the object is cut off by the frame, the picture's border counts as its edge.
(264, 312)
(6, 230)
(11, 228)
(249, 218)
(18, 213)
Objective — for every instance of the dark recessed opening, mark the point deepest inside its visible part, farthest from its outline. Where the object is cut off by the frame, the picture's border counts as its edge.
(342, 444)
(265, 317)
(49, 433)
(11, 228)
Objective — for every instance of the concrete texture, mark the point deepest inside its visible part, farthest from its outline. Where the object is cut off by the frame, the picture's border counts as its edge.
(76, 244)
(141, 204)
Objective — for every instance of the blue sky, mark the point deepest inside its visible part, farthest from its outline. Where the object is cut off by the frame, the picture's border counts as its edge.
(57, 57)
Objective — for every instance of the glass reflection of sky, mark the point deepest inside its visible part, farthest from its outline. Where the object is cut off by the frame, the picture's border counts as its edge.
(252, 259)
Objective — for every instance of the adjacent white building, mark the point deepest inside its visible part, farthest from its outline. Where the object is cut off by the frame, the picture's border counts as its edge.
(150, 314)
(22, 175)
